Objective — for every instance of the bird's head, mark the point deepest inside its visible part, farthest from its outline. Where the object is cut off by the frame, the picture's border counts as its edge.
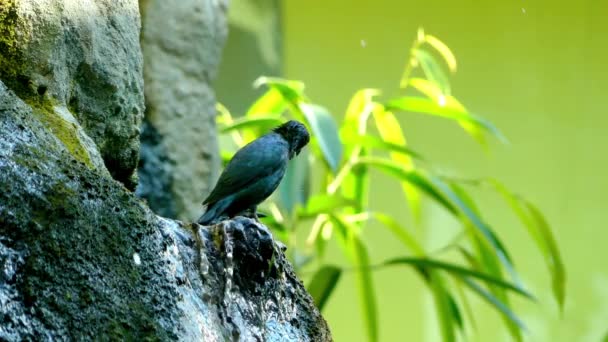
(295, 134)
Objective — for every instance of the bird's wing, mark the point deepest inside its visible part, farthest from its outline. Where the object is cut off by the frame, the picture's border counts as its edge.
(258, 159)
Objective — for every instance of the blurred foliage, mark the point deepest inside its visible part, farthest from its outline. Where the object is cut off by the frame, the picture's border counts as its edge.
(338, 207)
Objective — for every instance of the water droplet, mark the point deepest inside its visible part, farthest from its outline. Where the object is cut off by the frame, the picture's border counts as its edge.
(136, 259)
(363, 43)
(523, 10)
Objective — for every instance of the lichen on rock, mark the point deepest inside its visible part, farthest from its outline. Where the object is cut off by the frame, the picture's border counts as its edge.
(72, 60)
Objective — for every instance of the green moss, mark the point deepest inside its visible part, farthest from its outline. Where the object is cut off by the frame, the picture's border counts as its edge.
(11, 58)
(65, 131)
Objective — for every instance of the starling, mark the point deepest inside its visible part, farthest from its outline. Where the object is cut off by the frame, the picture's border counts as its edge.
(254, 172)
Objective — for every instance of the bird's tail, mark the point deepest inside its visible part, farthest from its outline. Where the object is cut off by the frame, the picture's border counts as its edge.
(214, 212)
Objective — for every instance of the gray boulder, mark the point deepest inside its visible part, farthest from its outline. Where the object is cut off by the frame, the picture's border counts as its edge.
(80, 67)
(82, 258)
(182, 43)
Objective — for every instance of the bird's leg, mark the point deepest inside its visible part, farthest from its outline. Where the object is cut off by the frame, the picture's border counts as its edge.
(254, 213)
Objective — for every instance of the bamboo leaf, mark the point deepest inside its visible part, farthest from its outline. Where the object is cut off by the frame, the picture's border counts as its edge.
(476, 222)
(413, 177)
(426, 106)
(443, 50)
(258, 122)
(466, 198)
(390, 131)
(357, 113)
(408, 240)
(496, 303)
(554, 260)
(370, 141)
(432, 70)
(436, 95)
(467, 306)
(442, 306)
(360, 260)
(323, 283)
(456, 315)
(539, 230)
(271, 103)
(356, 184)
(428, 88)
(291, 91)
(325, 130)
(322, 204)
(458, 271)
(365, 284)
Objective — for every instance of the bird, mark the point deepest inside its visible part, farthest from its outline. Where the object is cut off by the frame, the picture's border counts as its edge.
(254, 173)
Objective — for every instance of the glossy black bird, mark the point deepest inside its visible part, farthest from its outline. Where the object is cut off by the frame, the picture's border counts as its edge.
(254, 172)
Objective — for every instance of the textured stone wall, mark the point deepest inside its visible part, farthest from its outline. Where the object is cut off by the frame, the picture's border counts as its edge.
(182, 43)
(79, 66)
(81, 257)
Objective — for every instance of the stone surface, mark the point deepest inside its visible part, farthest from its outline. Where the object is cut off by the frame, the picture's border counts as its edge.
(182, 43)
(81, 258)
(79, 66)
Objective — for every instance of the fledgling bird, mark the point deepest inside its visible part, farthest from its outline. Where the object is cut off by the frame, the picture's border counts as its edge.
(254, 172)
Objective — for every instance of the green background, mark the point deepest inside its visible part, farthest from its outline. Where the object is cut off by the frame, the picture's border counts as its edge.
(537, 69)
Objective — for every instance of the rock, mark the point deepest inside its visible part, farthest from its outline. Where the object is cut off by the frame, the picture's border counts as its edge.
(182, 43)
(79, 66)
(81, 258)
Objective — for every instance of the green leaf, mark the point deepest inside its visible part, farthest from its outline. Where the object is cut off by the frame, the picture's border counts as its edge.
(291, 91)
(295, 186)
(225, 156)
(467, 306)
(413, 177)
(258, 122)
(443, 50)
(428, 88)
(357, 253)
(490, 263)
(323, 204)
(444, 310)
(391, 132)
(325, 232)
(456, 315)
(325, 130)
(554, 260)
(365, 284)
(496, 303)
(356, 184)
(539, 230)
(370, 141)
(355, 120)
(432, 70)
(408, 240)
(323, 283)
(466, 198)
(476, 222)
(431, 90)
(271, 103)
(429, 107)
(458, 271)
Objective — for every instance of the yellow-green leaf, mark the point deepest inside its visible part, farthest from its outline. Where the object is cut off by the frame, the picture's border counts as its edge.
(432, 70)
(390, 131)
(443, 50)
